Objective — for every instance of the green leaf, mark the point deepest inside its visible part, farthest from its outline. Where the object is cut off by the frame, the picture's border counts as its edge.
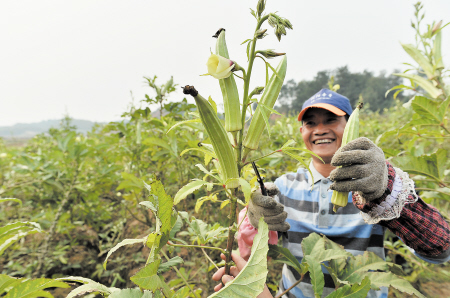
(148, 279)
(150, 206)
(164, 210)
(430, 165)
(11, 200)
(356, 267)
(205, 151)
(272, 111)
(188, 189)
(130, 182)
(34, 288)
(246, 189)
(387, 279)
(424, 83)
(170, 263)
(157, 142)
(316, 274)
(213, 104)
(420, 59)
(427, 108)
(198, 120)
(250, 281)
(354, 291)
(281, 254)
(119, 245)
(7, 281)
(247, 40)
(12, 232)
(288, 144)
(131, 293)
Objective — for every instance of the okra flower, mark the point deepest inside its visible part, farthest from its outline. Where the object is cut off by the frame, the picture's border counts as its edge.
(219, 67)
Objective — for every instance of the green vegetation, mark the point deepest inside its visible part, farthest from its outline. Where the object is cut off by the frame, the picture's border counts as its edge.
(122, 206)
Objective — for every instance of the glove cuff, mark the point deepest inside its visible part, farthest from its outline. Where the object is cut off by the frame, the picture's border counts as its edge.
(367, 206)
(402, 193)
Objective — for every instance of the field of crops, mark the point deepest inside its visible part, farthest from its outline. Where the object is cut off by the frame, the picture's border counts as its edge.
(142, 202)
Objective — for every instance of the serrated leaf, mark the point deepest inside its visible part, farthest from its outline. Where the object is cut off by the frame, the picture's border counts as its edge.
(147, 279)
(119, 245)
(427, 108)
(164, 210)
(250, 281)
(34, 288)
(387, 279)
(246, 189)
(204, 170)
(170, 263)
(356, 267)
(8, 281)
(430, 165)
(354, 291)
(281, 254)
(187, 190)
(149, 205)
(12, 232)
(316, 274)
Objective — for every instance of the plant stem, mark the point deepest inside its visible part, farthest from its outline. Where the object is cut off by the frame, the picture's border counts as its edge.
(181, 276)
(196, 246)
(231, 233)
(247, 76)
(291, 287)
(206, 255)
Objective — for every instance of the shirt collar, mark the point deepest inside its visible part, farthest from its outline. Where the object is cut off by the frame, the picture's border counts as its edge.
(316, 175)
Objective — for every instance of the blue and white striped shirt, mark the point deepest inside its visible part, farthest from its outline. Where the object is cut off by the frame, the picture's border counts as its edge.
(310, 211)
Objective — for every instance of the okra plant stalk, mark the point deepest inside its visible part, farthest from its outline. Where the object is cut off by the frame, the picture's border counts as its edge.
(231, 158)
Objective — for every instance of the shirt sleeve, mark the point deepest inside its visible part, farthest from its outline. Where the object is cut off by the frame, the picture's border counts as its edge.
(418, 224)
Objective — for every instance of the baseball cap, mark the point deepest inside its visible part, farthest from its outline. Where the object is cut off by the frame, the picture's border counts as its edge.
(328, 100)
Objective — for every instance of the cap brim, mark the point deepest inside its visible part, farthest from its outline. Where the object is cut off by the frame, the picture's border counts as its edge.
(325, 106)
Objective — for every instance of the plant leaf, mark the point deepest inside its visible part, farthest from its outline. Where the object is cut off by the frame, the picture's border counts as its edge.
(34, 288)
(250, 281)
(354, 291)
(387, 279)
(422, 82)
(11, 200)
(119, 245)
(316, 274)
(246, 189)
(131, 293)
(430, 165)
(281, 254)
(198, 120)
(188, 189)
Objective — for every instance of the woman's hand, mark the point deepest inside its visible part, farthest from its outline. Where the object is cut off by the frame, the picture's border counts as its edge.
(234, 271)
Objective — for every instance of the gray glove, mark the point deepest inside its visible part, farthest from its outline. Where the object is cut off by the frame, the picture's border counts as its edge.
(363, 169)
(266, 206)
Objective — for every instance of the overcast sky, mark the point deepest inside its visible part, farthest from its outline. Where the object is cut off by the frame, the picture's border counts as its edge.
(86, 57)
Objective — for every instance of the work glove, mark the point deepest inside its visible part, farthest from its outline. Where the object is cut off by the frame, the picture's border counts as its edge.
(266, 206)
(363, 169)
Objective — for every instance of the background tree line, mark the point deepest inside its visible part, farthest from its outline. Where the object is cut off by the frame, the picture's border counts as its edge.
(352, 84)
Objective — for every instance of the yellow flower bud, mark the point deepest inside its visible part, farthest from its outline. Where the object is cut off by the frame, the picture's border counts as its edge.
(219, 67)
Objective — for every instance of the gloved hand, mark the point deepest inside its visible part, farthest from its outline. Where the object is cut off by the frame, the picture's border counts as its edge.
(363, 169)
(266, 206)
